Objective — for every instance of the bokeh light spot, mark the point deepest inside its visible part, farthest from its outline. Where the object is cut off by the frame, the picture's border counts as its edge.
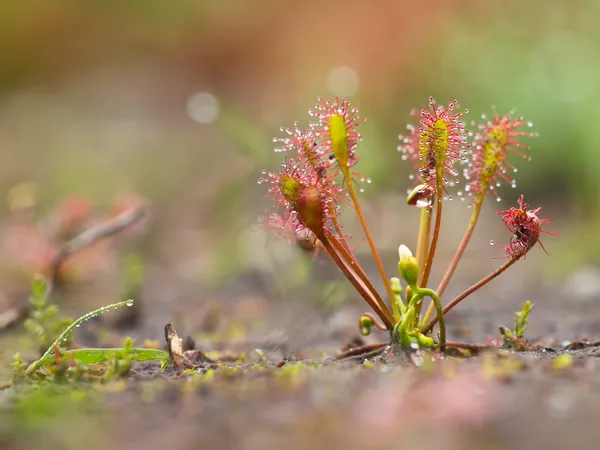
(342, 81)
(203, 107)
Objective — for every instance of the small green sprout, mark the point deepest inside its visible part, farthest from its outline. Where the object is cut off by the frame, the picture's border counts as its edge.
(18, 366)
(515, 338)
(44, 322)
(120, 358)
(521, 321)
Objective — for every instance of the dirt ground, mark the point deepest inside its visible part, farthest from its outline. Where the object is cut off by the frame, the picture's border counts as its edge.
(291, 394)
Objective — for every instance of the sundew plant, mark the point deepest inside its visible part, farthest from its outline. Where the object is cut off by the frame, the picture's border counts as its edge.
(319, 173)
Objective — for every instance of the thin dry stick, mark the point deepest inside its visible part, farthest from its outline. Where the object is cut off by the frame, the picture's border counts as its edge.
(476, 286)
(93, 235)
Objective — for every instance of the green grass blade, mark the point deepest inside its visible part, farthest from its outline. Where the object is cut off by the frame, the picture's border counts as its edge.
(65, 334)
(96, 355)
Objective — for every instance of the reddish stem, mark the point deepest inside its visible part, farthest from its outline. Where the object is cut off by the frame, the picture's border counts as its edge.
(363, 222)
(350, 259)
(359, 285)
(340, 231)
(436, 234)
(476, 286)
(462, 247)
(365, 350)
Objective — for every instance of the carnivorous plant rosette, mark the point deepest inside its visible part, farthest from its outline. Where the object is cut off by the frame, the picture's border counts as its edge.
(318, 175)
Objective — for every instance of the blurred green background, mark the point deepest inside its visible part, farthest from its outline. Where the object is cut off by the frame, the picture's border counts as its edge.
(178, 101)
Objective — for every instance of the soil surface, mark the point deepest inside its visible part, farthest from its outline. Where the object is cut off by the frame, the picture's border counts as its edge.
(293, 393)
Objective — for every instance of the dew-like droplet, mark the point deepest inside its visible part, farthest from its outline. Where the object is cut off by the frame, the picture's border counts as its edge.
(129, 302)
(492, 243)
(423, 203)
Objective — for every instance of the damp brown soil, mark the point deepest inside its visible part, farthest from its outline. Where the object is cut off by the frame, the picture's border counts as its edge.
(548, 398)
(294, 394)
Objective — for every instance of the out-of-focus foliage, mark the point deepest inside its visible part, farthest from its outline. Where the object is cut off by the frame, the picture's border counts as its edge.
(178, 101)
